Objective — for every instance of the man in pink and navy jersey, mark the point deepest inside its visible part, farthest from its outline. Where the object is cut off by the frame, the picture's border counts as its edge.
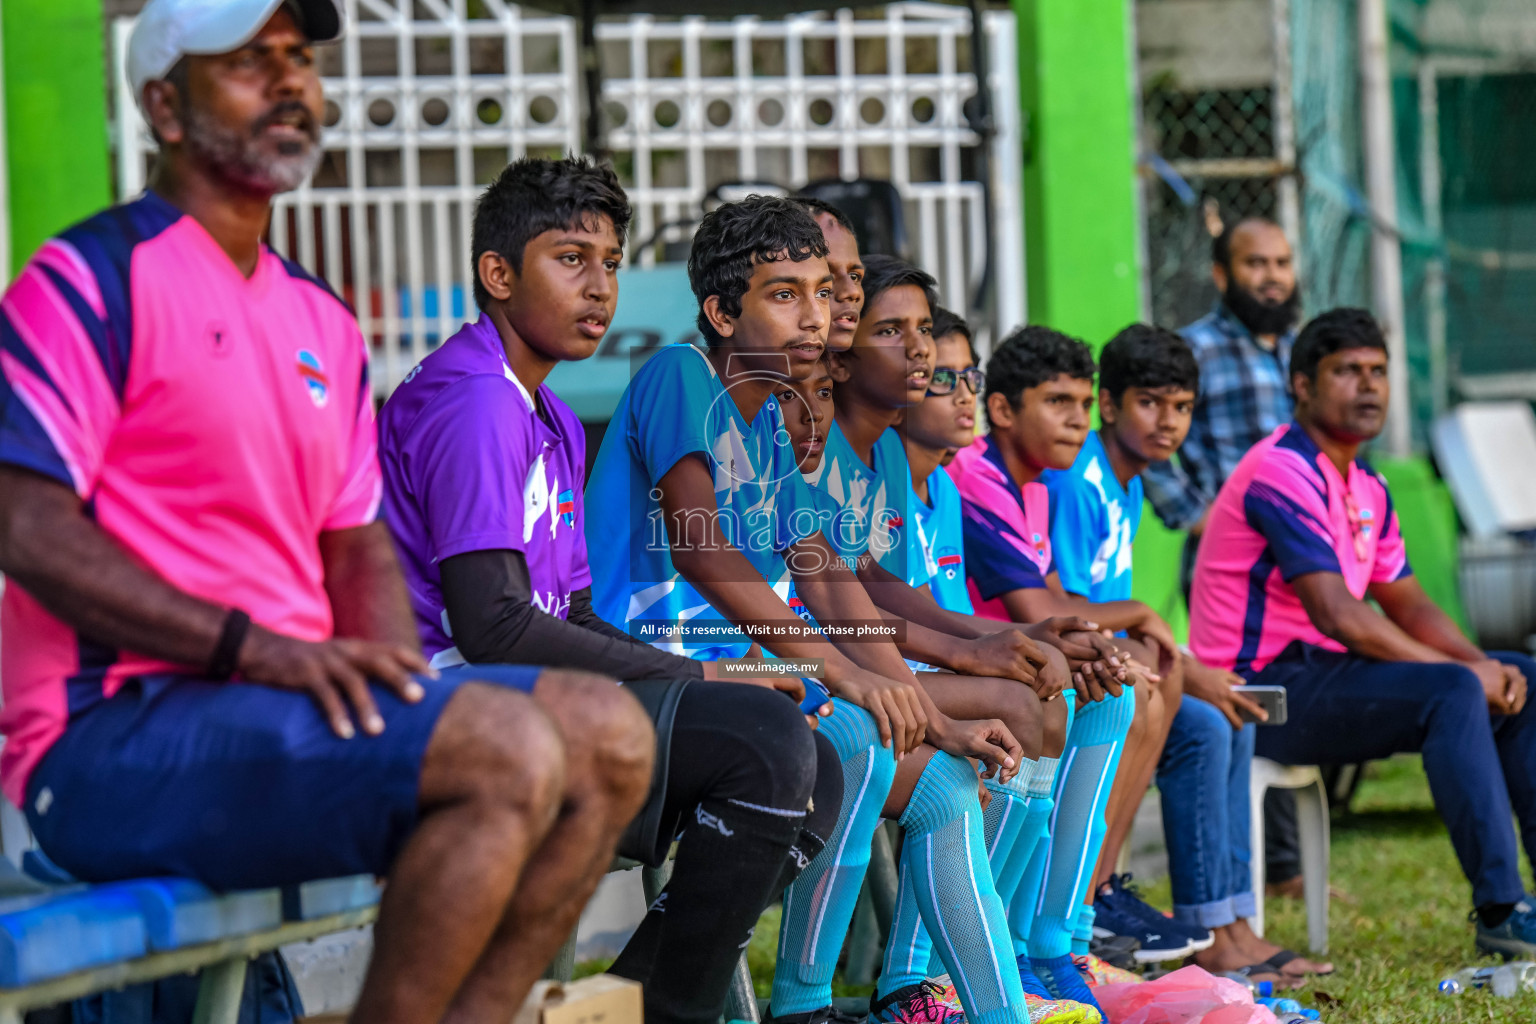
(210, 667)
(1301, 535)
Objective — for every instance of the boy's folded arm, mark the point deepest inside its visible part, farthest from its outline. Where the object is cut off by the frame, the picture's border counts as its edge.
(915, 604)
(494, 620)
(721, 573)
(581, 613)
(705, 556)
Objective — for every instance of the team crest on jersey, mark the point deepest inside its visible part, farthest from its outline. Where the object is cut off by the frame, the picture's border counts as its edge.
(313, 375)
(1039, 543)
(1367, 520)
(949, 562)
(567, 508)
(798, 607)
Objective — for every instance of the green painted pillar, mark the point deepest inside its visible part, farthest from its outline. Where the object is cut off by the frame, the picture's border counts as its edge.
(1080, 211)
(57, 158)
(1076, 74)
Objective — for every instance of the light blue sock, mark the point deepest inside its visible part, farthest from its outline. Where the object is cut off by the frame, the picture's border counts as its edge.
(909, 953)
(819, 906)
(1023, 874)
(944, 855)
(1082, 931)
(1095, 741)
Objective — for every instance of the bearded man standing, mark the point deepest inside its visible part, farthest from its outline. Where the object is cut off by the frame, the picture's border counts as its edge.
(1243, 347)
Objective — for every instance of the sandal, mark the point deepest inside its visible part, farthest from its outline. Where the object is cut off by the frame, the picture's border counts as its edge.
(1278, 980)
(1279, 960)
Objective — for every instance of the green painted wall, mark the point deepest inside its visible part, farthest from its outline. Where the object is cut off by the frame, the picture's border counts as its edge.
(1080, 213)
(1427, 517)
(59, 167)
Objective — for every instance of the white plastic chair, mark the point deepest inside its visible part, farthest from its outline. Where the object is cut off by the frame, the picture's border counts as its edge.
(1312, 823)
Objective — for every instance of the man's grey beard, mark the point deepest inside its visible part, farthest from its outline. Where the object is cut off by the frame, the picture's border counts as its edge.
(240, 159)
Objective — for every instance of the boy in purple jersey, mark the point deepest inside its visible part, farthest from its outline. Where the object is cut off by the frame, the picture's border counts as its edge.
(484, 469)
(1302, 533)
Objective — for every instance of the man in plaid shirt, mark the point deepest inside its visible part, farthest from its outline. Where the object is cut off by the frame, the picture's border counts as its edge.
(1243, 347)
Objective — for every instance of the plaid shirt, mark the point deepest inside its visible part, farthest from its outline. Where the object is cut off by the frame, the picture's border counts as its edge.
(1244, 396)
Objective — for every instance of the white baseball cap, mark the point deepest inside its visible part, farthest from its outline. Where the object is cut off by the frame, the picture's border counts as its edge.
(167, 30)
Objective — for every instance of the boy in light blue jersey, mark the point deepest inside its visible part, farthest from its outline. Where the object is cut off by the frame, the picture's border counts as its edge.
(943, 423)
(695, 503)
(865, 471)
(1148, 381)
(1018, 817)
(1039, 392)
(1094, 517)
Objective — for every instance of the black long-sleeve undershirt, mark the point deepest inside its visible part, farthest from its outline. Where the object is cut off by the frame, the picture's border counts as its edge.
(494, 620)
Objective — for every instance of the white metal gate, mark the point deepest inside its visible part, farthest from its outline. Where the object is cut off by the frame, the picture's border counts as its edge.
(428, 99)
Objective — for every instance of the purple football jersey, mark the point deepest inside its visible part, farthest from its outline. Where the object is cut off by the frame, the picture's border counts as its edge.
(470, 464)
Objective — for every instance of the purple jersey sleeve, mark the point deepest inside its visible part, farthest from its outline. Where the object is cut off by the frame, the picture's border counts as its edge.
(471, 452)
(581, 568)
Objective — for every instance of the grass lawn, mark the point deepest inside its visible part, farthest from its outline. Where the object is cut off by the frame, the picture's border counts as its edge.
(1404, 926)
(1402, 929)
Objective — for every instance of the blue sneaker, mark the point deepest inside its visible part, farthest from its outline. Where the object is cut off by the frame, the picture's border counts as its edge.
(1516, 937)
(1119, 908)
(1031, 982)
(1062, 977)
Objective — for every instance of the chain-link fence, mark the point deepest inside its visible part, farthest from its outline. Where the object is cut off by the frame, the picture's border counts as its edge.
(1207, 139)
(1213, 137)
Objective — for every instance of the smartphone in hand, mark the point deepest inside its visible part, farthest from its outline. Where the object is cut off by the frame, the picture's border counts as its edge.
(1270, 698)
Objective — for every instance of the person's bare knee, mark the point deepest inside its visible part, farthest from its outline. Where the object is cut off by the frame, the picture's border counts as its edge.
(1054, 728)
(977, 697)
(1019, 709)
(494, 745)
(908, 771)
(1142, 717)
(605, 728)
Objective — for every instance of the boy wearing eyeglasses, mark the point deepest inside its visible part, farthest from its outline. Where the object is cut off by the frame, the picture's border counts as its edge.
(861, 466)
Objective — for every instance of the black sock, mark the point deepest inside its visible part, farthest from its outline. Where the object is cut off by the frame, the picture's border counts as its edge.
(688, 944)
(1494, 914)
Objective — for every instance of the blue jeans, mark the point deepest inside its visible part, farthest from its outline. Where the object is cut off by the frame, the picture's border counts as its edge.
(1203, 782)
(1345, 709)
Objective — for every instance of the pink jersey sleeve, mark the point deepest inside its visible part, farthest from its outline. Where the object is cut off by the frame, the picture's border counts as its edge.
(362, 487)
(60, 369)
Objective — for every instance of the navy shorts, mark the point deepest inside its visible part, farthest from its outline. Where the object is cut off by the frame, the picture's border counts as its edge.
(237, 785)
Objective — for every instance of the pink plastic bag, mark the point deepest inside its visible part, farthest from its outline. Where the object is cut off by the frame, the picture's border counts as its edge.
(1187, 996)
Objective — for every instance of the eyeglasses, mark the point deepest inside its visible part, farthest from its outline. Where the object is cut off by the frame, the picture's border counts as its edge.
(945, 380)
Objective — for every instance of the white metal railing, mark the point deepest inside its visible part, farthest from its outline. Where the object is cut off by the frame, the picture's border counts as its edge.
(425, 101)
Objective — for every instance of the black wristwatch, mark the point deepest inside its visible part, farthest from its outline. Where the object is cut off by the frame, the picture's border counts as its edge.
(227, 654)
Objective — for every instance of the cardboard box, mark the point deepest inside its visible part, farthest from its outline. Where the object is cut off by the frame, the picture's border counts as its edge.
(600, 999)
